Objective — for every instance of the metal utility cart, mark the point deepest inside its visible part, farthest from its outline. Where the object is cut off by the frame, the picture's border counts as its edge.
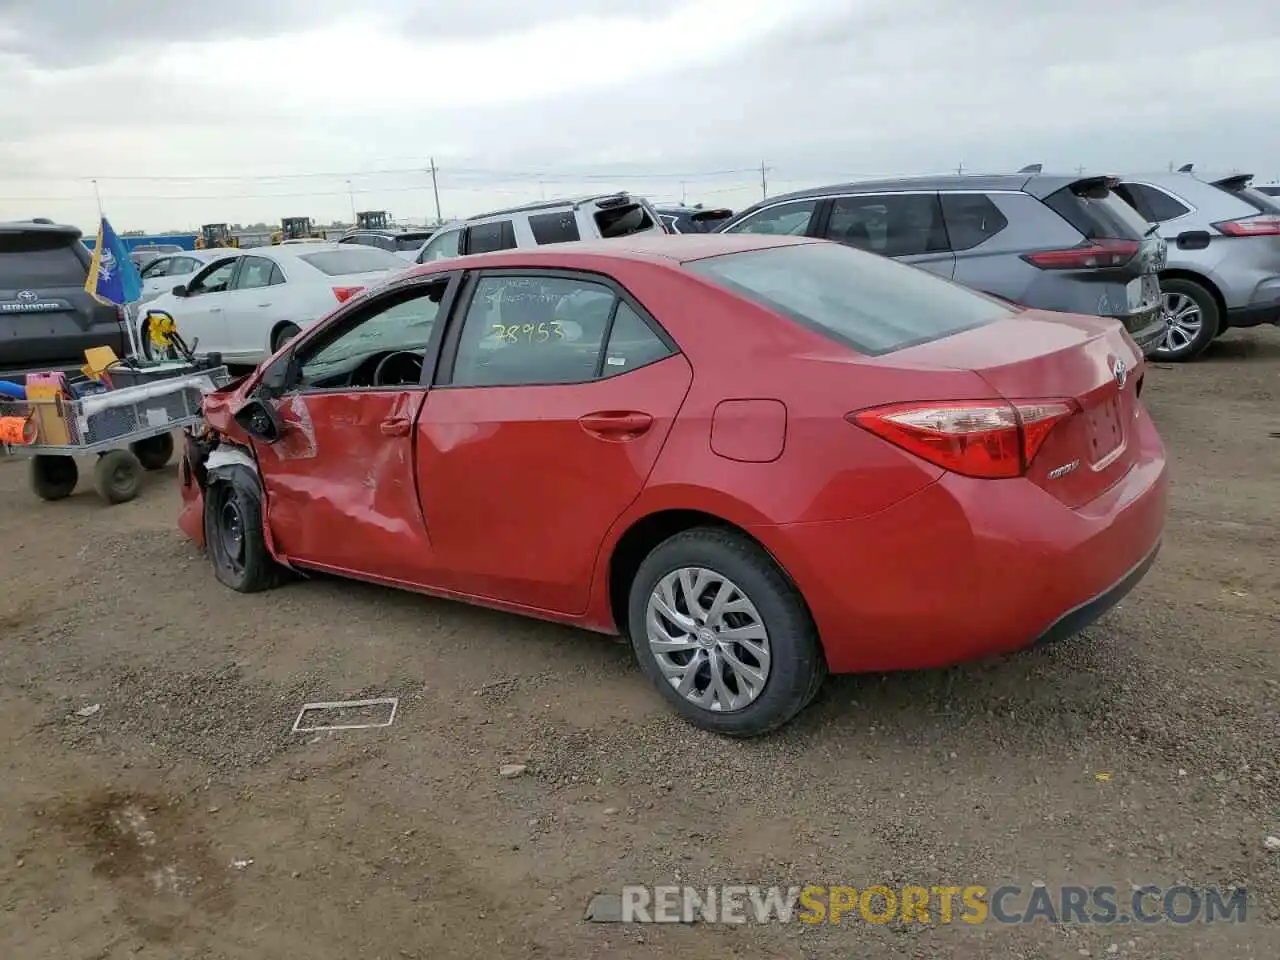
(129, 428)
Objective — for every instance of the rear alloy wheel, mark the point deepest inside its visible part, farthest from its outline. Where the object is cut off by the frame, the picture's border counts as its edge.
(1191, 320)
(284, 335)
(723, 634)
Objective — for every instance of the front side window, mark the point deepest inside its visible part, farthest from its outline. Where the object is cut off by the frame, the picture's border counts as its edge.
(786, 219)
(892, 225)
(349, 356)
(158, 268)
(533, 330)
(442, 245)
(215, 279)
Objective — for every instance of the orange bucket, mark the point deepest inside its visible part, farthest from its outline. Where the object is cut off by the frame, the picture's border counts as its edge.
(18, 431)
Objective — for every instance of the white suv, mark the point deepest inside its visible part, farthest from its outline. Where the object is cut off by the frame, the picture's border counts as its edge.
(537, 224)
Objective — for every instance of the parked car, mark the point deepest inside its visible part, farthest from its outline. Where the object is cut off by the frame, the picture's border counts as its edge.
(167, 271)
(762, 458)
(143, 254)
(405, 243)
(1052, 242)
(1270, 189)
(682, 219)
(556, 221)
(47, 320)
(1223, 266)
(246, 304)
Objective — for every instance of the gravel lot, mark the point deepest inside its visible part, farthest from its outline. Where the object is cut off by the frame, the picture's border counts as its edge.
(183, 819)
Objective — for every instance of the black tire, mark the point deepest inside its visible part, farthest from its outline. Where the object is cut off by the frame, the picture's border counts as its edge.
(233, 532)
(797, 668)
(117, 476)
(53, 477)
(154, 453)
(284, 335)
(1176, 291)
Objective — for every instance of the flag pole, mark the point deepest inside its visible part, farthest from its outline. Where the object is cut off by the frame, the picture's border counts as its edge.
(97, 196)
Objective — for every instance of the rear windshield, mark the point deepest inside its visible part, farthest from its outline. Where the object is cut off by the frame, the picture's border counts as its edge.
(623, 221)
(40, 260)
(353, 259)
(874, 304)
(411, 241)
(1252, 196)
(1098, 214)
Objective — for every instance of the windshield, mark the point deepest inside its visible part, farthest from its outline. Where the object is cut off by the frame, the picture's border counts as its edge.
(871, 303)
(353, 259)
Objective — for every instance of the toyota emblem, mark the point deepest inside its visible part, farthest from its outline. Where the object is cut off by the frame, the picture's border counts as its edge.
(1122, 373)
(28, 296)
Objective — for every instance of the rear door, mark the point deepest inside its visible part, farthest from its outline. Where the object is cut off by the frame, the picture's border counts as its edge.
(257, 301)
(555, 396)
(905, 226)
(46, 317)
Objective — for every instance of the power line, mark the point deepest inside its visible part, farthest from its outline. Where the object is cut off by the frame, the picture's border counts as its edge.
(544, 175)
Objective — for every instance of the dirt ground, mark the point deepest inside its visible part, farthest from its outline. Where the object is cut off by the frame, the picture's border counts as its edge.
(182, 818)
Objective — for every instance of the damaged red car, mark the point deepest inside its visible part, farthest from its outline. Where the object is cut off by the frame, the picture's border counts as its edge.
(760, 458)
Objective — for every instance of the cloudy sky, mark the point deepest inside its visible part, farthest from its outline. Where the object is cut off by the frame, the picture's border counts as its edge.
(246, 110)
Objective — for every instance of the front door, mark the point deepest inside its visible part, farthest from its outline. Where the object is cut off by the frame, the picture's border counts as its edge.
(543, 430)
(340, 479)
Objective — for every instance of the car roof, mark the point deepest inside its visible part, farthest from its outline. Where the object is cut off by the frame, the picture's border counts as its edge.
(663, 248)
(550, 205)
(39, 226)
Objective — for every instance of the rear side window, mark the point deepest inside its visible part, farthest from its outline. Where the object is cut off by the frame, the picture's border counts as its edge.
(1097, 213)
(39, 260)
(873, 304)
(971, 219)
(631, 343)
(488, 237)
(554, 227)
(353, 259)
(1154, 205)
(622, 221)
(892, 225)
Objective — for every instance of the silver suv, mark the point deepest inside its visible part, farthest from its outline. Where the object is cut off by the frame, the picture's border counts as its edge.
(1052, 242)
(554, 221)
(1224, 254)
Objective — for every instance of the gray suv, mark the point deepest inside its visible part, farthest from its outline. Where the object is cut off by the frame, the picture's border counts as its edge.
(1224, 254)
(1051, 242)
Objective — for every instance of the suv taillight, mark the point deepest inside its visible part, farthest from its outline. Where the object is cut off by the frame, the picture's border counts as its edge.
(1089, 255)
(977, 438)
(1263, 225)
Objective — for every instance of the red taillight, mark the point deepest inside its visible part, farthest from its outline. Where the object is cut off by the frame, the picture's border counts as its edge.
(976, 438)
(1263, 225)
(345, 293)
(1095, 253)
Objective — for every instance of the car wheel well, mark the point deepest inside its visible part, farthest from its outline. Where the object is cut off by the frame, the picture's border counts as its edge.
(645, 534)
(1203, 281)
(276, 331)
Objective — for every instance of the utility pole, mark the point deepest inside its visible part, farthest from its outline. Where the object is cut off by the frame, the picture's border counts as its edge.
(1080, 170)
(97, 196)
(352, 197)
(683, 197)
(764, 181)
(960, 168)
(435, 188)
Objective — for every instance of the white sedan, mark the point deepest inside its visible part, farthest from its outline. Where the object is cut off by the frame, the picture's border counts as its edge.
(245, 304)
(170, 269)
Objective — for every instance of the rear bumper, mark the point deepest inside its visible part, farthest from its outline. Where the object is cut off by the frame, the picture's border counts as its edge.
(1263, 306)
(968, 568)
(1146, 329)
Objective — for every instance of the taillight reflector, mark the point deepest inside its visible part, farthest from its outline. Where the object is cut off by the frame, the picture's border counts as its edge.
(1263, 225)
(1090, 255)
(345, 293)
(976, 438)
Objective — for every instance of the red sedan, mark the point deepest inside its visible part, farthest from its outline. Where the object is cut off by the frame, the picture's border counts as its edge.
(760, 458)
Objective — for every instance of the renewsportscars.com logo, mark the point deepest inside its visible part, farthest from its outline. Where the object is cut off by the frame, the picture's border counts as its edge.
(937, 904)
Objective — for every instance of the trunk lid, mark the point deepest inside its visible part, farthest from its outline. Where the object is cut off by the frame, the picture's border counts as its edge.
(1046, 356)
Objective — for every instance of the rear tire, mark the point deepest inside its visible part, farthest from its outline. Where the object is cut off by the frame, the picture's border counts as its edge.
(284, 335)
(154, 453)
(1192, 320)
(699, 659)
(233, 533)
(117, 476)
(53, 477)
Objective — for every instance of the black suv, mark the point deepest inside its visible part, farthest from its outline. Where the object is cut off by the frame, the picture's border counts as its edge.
(47, 319)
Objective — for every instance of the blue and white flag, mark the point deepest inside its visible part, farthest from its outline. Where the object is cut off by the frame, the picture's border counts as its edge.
(112, 276)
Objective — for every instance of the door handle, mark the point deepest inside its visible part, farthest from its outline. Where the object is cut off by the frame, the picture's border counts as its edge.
(215, 309)
(264, 304)
(616, 425)
(395, 428)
